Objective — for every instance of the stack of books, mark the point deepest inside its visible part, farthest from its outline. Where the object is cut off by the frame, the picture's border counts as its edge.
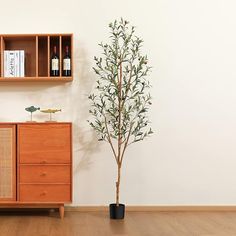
(14, 63)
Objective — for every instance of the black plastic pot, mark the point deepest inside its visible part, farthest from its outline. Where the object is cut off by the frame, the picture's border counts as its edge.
(117, 212)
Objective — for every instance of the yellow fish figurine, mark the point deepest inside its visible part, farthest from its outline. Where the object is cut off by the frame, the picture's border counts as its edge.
(50, 112)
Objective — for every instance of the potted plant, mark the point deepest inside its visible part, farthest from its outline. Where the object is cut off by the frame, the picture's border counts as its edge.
(121, 99)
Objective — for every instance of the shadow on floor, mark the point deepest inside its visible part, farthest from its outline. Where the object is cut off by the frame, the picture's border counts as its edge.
(29, 212)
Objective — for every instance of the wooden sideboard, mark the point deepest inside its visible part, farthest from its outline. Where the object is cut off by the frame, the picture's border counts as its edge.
(35, 165)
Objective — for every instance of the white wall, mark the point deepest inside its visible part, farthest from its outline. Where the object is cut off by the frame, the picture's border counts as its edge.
(192, 46)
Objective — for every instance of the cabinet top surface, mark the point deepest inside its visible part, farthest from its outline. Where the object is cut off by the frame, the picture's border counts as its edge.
(34, 123)
(41, 34)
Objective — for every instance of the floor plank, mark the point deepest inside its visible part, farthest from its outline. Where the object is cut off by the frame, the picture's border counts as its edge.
(135, 224)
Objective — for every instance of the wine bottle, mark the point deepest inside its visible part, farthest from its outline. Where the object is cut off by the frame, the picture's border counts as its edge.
(55, 63)
(67, 63)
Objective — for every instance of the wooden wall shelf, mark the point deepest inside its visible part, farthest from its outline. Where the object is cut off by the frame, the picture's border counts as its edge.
(38, 51)
(36, 79)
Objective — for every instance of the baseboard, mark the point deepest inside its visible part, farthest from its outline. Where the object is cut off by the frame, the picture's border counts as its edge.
(167, 208)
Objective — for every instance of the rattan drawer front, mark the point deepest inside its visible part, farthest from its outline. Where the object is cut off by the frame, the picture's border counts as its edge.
(45, 193)
(7, 163)
(45, 174)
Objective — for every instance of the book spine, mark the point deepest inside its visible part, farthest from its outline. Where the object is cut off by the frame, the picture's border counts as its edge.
(11, 65)
(22, 63)
(5, 63)
(17, 74)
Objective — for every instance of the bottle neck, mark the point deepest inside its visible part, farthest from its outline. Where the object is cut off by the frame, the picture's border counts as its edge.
(55, 50)
(67, 51)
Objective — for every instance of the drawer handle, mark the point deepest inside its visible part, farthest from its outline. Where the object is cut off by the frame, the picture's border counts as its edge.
(43, 174)
(43, 162)
(43, 193)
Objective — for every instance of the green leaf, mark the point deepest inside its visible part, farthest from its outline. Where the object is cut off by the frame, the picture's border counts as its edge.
(111, 113)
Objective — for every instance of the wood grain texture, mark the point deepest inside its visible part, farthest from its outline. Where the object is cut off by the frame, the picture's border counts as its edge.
(1, 57)
(45, 174)
(60, 55)
(37, 53)
(49, 55)
(37, 56)
(44, 144)
(72, 53)
(45, 177)
(158, 208)
(44, 193)
(134, 224)
(27, 205)
(36, 79)
(28, 44)
(62, 211)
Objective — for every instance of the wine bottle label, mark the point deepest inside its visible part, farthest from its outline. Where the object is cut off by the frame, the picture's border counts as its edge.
(55, 64)
(66, 64)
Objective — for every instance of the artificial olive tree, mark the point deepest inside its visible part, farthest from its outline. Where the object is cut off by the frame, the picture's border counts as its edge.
(121, 98)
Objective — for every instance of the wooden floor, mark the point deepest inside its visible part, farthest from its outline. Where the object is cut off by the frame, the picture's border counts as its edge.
(135, 224)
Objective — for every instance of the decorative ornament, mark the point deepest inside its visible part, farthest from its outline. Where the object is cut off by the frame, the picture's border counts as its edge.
(32, 109)
(50, 112)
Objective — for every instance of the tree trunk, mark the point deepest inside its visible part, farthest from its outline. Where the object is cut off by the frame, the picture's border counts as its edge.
(118, 186)
(119, 136)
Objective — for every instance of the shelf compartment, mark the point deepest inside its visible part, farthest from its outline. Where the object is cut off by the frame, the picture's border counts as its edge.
(42, 56)
(35, 79)
(1, 57)
(54, 41)
(38, 52)
(66, 41)
(28, 44)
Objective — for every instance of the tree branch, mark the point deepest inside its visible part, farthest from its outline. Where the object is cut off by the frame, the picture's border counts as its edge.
(128, 85)
(126, 144)
(109, 139)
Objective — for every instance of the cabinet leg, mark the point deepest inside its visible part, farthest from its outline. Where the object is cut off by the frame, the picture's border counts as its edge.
(62, 211)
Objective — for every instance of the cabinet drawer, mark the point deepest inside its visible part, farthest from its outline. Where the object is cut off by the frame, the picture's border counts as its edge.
(45, 193)
(45, 174)
(44, 144)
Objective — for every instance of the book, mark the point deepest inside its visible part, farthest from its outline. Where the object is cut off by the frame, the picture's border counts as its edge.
(22, 63)
(5, 63)
(11, 64)
(17, 63)
(14, 63)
